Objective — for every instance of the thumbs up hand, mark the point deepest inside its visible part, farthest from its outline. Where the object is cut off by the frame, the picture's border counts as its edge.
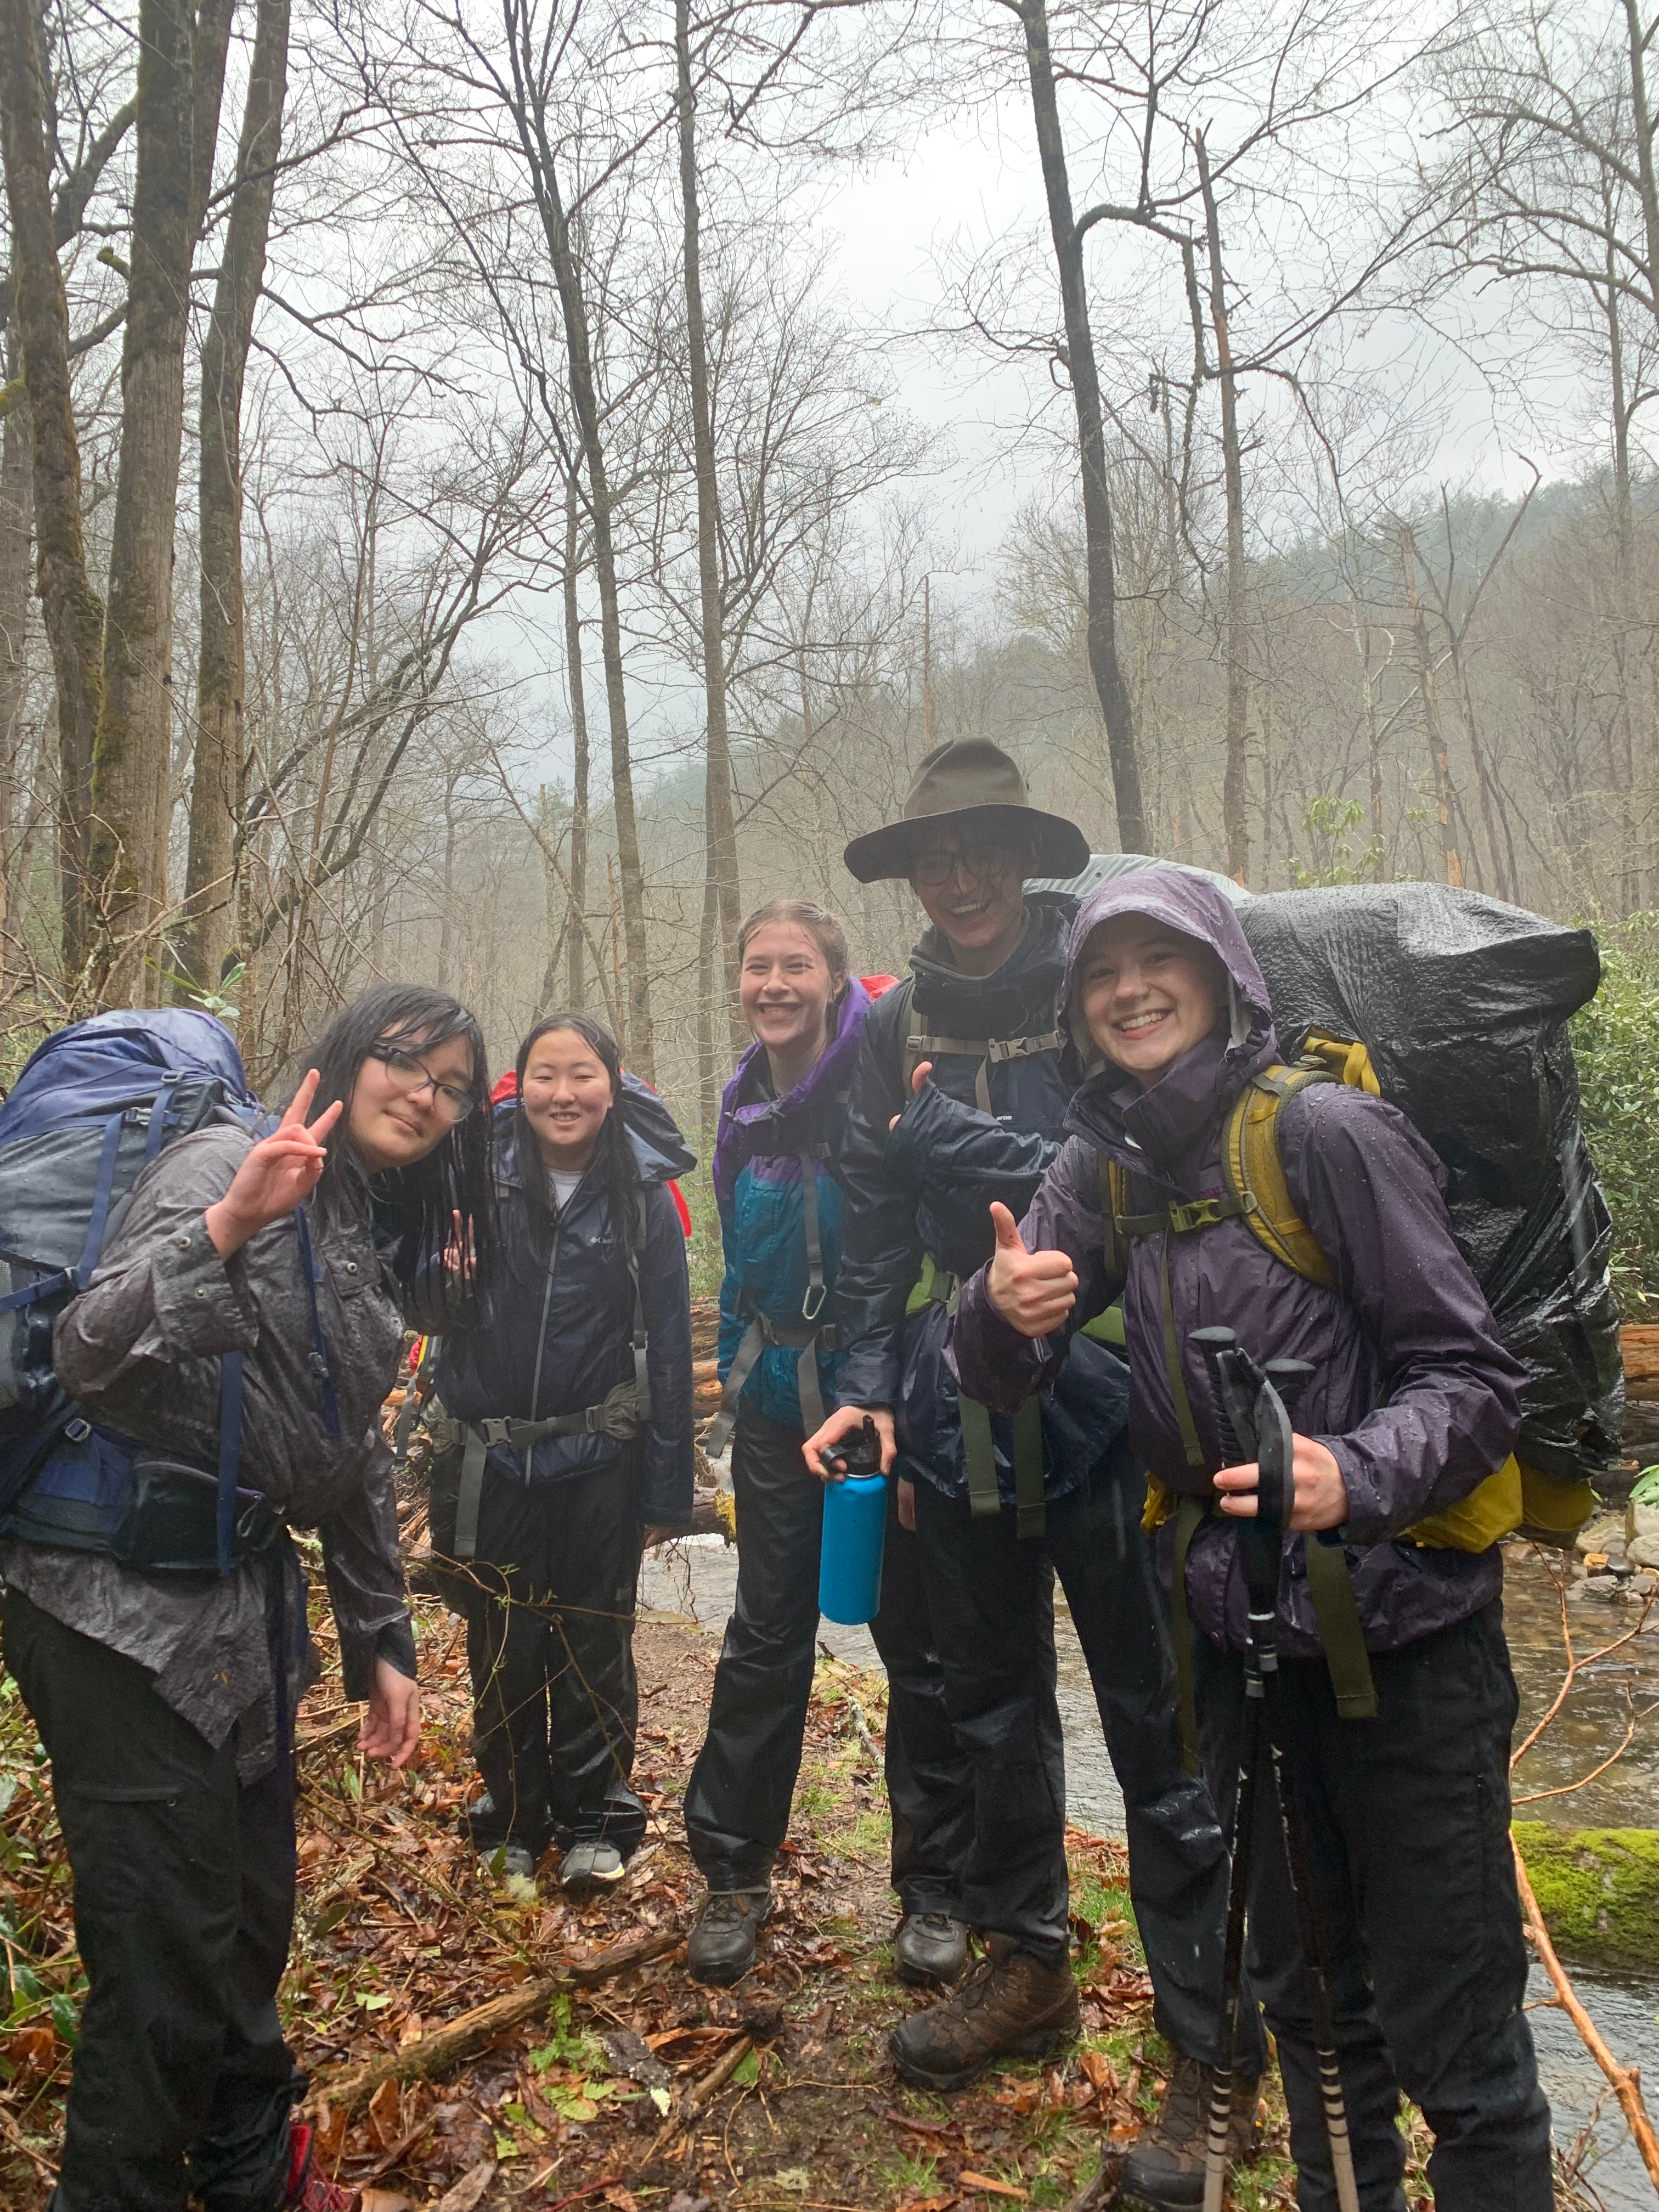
(1033, 1291)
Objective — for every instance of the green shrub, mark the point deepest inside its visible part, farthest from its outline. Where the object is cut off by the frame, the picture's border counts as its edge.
(1616, 1040)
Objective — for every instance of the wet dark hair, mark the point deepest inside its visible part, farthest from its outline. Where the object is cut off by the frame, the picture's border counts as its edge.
(415, 1205)
(614, 1163)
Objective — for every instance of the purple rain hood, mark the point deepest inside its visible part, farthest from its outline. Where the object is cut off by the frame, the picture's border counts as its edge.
(749, 1113)
(1413, 1393)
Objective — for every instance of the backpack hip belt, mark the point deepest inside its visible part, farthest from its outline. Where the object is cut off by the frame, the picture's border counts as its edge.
(621, 1413)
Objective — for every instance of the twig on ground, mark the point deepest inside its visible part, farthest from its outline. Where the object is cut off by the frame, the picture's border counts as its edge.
(861, 1729)
(472, 2031)
(42, 2165)
(1626, 2080)
(680, 2122)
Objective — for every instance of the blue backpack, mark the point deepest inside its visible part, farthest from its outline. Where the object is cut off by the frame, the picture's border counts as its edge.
(95, 1104)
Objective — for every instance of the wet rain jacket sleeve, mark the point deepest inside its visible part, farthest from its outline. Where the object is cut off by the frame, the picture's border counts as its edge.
(956, 1160)
(363, 1565)
(994, 1362)
(665, 1294)
(881, 1249)
(1368, 1188)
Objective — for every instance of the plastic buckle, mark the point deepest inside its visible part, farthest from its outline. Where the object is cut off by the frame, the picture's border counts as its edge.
(1196, 1213)
(77, 1430)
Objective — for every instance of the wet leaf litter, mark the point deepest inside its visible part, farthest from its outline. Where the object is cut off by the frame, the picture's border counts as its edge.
(477, 2042)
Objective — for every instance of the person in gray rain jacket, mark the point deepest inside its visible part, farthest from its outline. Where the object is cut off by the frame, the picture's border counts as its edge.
(570, 1380)
(166, 1701)
(1413, 1403)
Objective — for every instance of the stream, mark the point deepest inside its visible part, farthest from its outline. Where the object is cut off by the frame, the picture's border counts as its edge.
(698, 1580)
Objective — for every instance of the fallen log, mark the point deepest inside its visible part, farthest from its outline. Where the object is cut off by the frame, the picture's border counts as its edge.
(472, 2032)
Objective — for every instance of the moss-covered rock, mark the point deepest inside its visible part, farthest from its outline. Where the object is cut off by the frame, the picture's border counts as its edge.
(1597, 1888)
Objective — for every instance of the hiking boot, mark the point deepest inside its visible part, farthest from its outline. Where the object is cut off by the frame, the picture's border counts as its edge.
(930, 1947)
(1010, 2006)
(1163, 2170)
(589, 1868)
(516, 1859)
(308, 2191)
(722, 1946)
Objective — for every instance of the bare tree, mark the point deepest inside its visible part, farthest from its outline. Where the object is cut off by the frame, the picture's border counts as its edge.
(73, 612)
(181, 79)
(1068, 236)
(216, 786)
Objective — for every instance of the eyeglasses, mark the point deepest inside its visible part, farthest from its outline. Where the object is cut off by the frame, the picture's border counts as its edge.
(411, 1077)
(976, 863)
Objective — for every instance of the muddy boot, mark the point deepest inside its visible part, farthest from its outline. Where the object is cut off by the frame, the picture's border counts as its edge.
(1163, 2171)
(1010, 2006)
(722, 1946)
(930, 1947)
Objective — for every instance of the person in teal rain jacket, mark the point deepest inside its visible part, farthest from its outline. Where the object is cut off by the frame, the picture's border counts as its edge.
(775, 1162)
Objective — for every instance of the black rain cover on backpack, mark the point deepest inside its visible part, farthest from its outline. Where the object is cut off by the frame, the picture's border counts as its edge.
(1462, 1003)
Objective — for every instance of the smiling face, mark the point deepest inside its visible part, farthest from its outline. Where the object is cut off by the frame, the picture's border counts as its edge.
(567, 1095)
(972, 892)
(391, 1122)
(785, 988)
(1146, 993)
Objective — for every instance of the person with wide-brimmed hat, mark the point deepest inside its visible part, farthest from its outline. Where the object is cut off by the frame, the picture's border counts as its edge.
(958, 1099)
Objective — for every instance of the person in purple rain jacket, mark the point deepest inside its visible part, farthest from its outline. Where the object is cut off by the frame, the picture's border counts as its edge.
(782, 1123)
(1413, 1403)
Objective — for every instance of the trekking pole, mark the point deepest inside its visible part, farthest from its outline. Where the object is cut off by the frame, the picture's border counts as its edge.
(1215, 1344)
(1251, 1405)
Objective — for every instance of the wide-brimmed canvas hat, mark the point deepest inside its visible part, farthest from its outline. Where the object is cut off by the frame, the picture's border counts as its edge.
(969, 785)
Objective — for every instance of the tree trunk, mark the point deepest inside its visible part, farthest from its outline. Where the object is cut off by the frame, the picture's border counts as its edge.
(132, 756)
(215, 803)
(573, 658)
(1439, 758)
(722, 835)
(1641, 121)
(73, 613)
(1235, 820)
(16, 530)
(1132, 828)
(585, 403)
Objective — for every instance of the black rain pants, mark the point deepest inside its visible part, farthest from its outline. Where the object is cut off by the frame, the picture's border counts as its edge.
(736, 1803)
(991, 1597)
(550, 1641)
(1407, 1819)
(184, 1906)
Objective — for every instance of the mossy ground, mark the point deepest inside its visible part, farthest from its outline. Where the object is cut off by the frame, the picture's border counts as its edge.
(1598, 1889)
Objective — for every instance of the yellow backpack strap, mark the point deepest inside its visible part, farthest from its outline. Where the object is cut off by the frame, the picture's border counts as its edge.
(1254, 1173)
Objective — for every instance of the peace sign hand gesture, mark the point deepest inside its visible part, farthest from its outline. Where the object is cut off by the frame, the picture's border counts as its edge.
(281, 1170)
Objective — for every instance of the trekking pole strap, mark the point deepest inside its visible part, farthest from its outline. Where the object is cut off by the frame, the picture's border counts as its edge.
(1331, 1588)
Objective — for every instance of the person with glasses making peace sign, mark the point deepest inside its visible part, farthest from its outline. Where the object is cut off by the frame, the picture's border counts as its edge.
(165, 1698)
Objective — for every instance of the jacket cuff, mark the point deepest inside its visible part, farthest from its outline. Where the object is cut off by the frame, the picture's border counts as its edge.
(1366, 1522)
(198, 1308)
(394, 1642)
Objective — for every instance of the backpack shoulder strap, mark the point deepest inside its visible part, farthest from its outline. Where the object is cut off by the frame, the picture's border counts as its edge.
(1255, 1172)
(909, 1053)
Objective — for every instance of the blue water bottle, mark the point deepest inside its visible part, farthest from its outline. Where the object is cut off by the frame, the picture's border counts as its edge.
(855, 1532)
